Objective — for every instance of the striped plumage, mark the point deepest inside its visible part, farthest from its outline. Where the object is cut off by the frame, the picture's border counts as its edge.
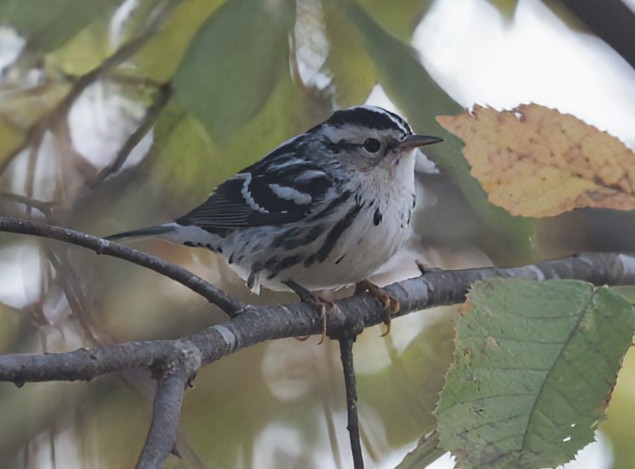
(323, 210)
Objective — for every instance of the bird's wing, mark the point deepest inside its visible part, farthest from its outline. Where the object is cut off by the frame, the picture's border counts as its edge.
(279, 189)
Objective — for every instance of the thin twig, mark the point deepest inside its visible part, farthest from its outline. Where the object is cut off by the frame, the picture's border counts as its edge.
(152, 113)
(75, 291)
(346, 355)
(195, 283)
(41, 205)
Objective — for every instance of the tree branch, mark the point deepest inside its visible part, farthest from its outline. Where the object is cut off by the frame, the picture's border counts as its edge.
(164, 93)
(172, 380)
(41, 205)
(611, 20)
(258, 323)
(197, 284)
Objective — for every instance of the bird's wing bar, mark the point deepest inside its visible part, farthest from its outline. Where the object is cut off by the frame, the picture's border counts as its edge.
(274, 191)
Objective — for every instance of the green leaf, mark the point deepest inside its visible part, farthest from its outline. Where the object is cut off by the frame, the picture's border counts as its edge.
(11, 138)
(185, 162)
(22, 108)
(83, 52)
(534, 367)
(426, 452)
(234, 62)
(405, 393)
(291, 109)
(161, 56)
(351, 69)
(506, 8)
(398, 18)
(47, 24)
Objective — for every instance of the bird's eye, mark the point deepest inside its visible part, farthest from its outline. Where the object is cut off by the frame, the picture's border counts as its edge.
(372, 145)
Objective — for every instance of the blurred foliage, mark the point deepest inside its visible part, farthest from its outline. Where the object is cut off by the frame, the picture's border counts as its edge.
(47, 25)
(209, 90)
(161, 56)
(246, 76)
(352, 69)
(398, 18)
(621, 413)
(507, 8)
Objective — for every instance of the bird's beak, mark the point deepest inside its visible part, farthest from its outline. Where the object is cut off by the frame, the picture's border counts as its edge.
(414, 141)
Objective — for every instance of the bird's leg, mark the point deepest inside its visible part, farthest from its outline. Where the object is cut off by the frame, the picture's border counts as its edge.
(426, 269)
(313, 300)
(390, 304)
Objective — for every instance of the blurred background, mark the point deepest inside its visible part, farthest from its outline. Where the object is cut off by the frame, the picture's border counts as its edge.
(124, 113)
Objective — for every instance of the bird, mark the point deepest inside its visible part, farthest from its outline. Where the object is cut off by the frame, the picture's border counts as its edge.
(323, 210)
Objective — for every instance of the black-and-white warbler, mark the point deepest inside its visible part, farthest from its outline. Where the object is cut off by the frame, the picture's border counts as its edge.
(323, 210)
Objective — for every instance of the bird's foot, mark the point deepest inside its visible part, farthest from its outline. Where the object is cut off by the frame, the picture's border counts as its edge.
(317, 303)
(426, 269)
(390, 304)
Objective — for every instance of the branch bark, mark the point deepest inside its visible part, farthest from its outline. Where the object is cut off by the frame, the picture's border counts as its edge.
(172, 381)
(346, 356)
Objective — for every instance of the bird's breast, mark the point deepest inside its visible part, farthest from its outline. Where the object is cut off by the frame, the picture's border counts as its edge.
(345, 247)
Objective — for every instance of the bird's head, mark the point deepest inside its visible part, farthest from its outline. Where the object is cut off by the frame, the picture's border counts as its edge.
(366, 138)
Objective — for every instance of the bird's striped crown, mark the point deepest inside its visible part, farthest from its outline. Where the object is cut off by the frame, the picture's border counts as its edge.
(369, 117)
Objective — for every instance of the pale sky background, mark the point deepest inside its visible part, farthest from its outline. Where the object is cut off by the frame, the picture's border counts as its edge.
(480, 57)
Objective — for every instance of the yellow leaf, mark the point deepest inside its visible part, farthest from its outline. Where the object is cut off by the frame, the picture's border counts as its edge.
(536, 162)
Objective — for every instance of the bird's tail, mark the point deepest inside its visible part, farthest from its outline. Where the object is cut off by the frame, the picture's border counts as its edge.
(150, 231)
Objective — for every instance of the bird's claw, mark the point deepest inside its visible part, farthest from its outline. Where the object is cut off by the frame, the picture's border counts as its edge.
(390, 304)
(317, 303)
(320, 305)
(322, 315)
(425, 268)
